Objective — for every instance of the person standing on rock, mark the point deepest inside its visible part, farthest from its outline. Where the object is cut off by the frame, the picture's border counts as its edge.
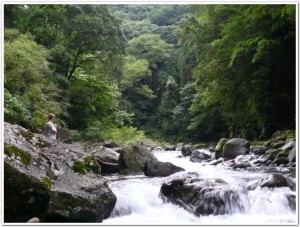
(51, 127)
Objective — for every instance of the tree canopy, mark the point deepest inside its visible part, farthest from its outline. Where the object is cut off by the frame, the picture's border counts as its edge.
(174, 72)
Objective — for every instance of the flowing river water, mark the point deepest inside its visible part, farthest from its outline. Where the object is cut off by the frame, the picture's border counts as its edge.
(138, 201)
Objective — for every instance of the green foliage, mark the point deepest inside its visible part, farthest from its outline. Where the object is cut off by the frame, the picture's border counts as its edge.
(28, 92)
(80, 167)
(47, 181)
(237, 47)
(125, 135)
(14, 110)
(25, 157)
(133, 29)
(150, 47)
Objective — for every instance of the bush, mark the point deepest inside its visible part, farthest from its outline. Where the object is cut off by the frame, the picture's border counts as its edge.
(14, 110)
(125, 135)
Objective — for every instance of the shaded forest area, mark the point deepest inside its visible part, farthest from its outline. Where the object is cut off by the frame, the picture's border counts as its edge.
(168, 72)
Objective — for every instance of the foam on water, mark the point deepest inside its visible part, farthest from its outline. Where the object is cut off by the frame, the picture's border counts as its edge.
(138, 201)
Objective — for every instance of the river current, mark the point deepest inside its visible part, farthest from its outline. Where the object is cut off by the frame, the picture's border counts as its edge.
(138, 201)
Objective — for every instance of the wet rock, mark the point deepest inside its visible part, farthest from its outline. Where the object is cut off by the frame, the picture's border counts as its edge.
(106, 155)
(219, 147)
(292, 155)
(216, 162)
(292, 201)
(170, 148)
(186, 150)
(272, 153)
(110, 144)
(160, 169)
(277, 144)
(235, 147)
(133, 159)
(241, 165)
(202, 196)
(289, 145)
(200, 155)
(272, 181)
(89, 201)
(259, 150)
(25, 196)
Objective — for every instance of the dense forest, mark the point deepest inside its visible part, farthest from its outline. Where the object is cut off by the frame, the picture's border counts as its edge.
(168, 72)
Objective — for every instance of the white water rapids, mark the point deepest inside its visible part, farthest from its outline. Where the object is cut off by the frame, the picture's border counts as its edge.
(138, 201)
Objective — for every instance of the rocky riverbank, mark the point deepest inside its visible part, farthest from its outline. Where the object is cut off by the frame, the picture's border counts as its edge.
(55, 181)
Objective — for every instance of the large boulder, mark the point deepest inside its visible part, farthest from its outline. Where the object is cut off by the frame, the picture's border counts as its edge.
(160, 169)
(219, 147)
(133, 159)
(25, 196)
(91, 200)
(200, 155)
(202, 196)
(106, 155)
(74, 192)
(235, 147)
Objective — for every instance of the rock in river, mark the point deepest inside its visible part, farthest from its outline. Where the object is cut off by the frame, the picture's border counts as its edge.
(161, 169)
(202, 196)
(133, 159)
(235, 147)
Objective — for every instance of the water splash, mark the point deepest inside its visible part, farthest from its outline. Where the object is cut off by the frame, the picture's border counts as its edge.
(138, 199)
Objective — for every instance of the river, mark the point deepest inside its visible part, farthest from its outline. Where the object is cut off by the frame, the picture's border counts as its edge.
(138, 201)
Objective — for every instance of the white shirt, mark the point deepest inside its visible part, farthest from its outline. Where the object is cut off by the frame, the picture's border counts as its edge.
(50, 130)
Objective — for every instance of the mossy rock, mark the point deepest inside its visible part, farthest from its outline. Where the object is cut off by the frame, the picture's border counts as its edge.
(27, 135)
(47, 181)
(80, 167)
(91, 163)
(283, 154)
(24, 156)
(42, 144)
(219, 147)
(200, 145)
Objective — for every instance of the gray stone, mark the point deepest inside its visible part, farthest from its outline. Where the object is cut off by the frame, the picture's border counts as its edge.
(202, 196)
(106, 154)
(25, 196)
(170, 148)
(133, 159)
(235, 147)
(259, 150)
(72, 196)
(271, 181)
(161, 169)
(186, 150)
(289, 145)
(200, 155)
